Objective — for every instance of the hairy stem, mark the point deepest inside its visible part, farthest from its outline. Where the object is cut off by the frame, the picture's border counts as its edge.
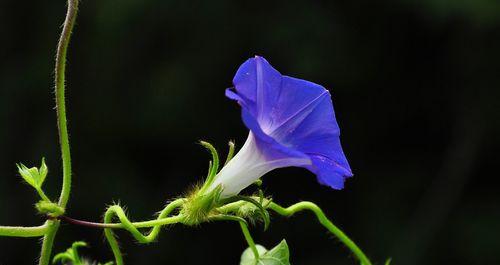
(42, 195)
(60, 70)
(249, 239)
(48, 242)
(60, 79)
(301, 206)
(21, 231)
(244, 228)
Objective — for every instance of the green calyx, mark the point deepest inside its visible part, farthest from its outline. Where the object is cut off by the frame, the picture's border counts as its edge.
(199, 206)
(201, 203)
(204, 202)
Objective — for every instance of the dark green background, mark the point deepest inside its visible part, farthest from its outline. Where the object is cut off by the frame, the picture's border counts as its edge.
(415, 86)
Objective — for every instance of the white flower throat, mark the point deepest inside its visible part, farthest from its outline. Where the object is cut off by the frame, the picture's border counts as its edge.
(247, 166)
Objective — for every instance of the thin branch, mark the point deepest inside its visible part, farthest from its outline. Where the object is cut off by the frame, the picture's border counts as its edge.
(22, 231)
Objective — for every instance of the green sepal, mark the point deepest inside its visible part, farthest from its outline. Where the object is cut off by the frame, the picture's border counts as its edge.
(388, 261)
(214, 167)
(279, 255)
(230, 153)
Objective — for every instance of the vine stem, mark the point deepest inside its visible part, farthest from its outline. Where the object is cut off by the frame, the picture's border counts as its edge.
(301, 206)
(142, 224)
(162, 219)
(249, 239)
(60, 79)
(48, 242)
(21, 231)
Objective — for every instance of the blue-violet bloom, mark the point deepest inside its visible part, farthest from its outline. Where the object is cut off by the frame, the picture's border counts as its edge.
(291, 122)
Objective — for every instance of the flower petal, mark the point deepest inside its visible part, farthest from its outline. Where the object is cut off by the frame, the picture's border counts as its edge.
(291, 118)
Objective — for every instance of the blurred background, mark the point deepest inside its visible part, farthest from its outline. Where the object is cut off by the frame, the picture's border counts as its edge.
(415, 86)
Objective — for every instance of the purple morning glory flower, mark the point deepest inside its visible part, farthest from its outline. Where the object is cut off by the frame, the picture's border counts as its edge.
(291, 122)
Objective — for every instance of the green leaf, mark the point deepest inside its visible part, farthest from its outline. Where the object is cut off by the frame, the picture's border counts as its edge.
(248, 258)
(279, 255)
(33, 176)
(43, 171)
(27, 174)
